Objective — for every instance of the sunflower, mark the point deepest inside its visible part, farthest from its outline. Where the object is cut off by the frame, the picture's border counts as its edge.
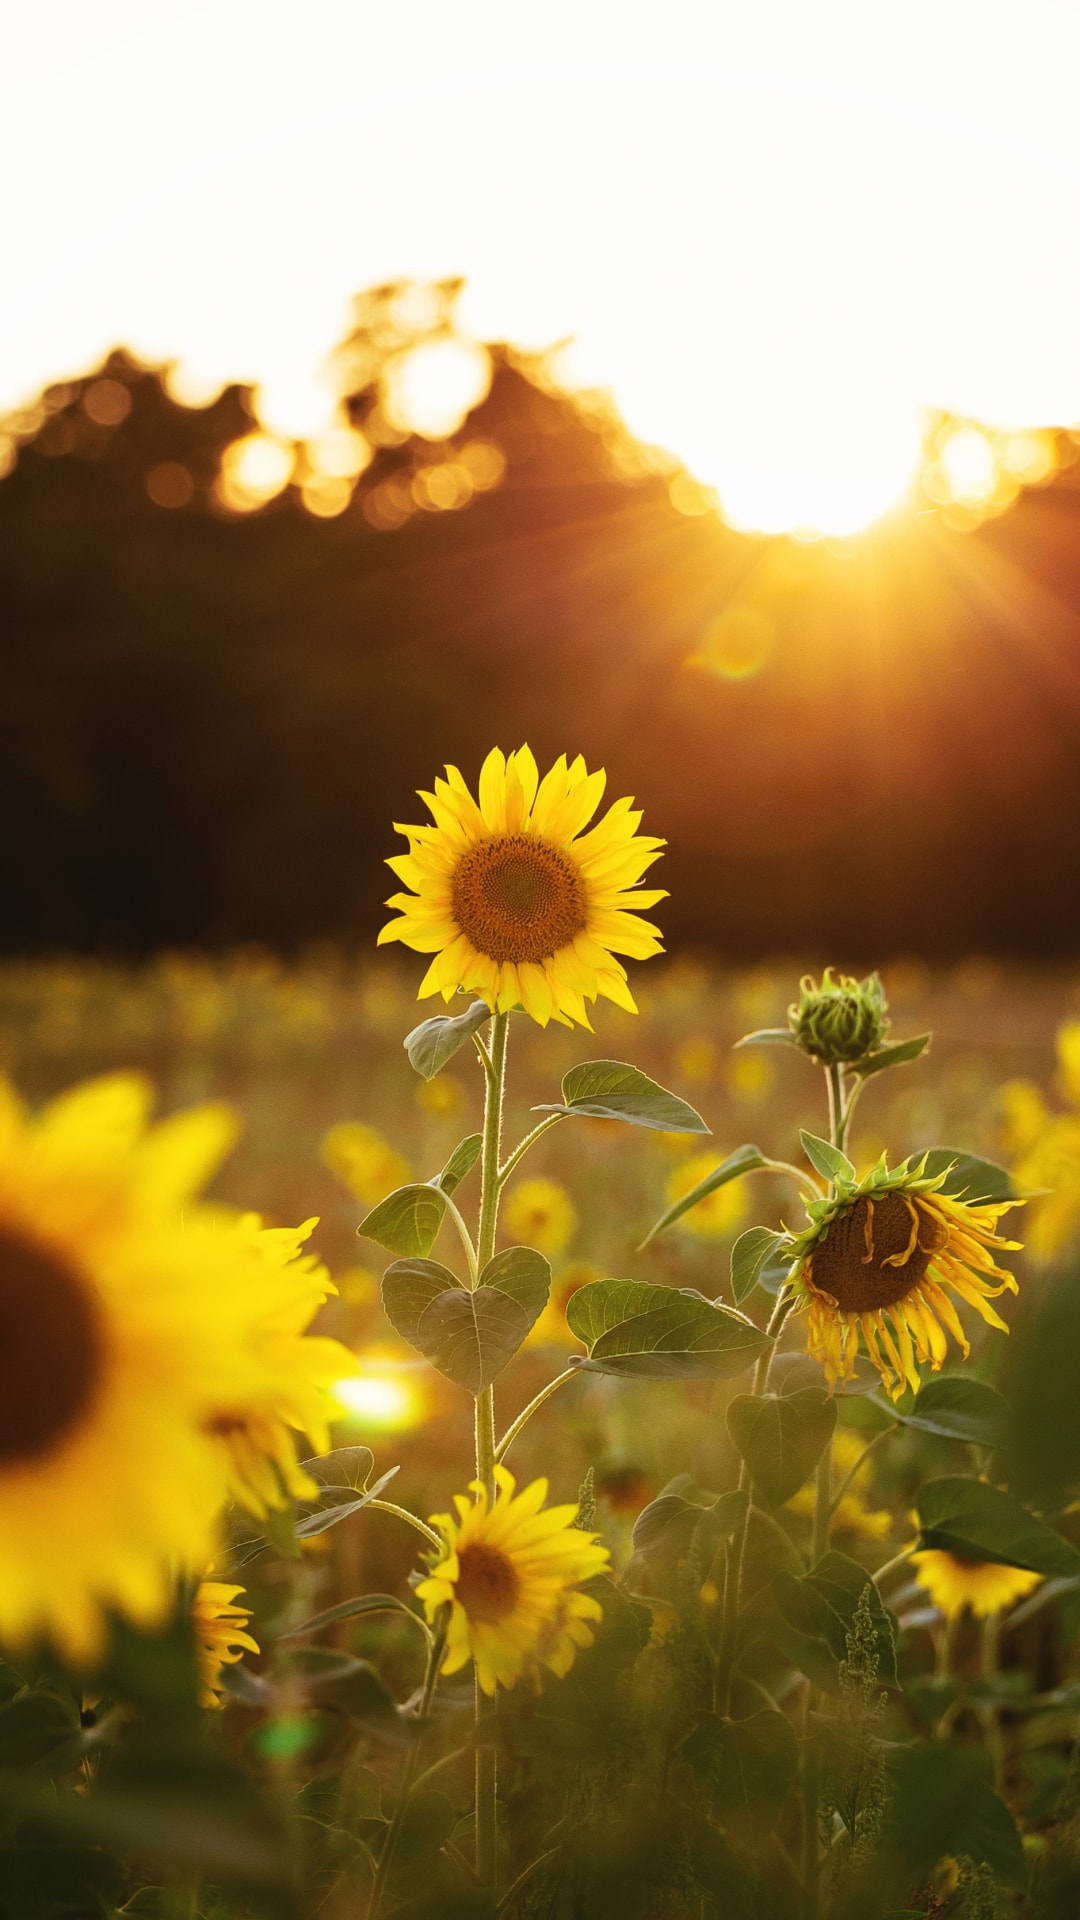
(878, 1256)
(290, 1374)
(115, 1315)
(954, 1583)
(510, 1575)
(516, 901)
(220, 1636)
(540, 1213)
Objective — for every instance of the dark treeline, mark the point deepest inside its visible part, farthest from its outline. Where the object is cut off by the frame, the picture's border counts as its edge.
(210, 719)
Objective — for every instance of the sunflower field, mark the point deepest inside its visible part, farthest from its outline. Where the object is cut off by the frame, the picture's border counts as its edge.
(602, 1441)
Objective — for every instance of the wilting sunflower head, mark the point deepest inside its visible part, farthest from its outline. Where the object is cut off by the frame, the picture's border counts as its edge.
(840, 1020)
(518, 903)
(510, 1575)
(882, 1257)
(220, 1634)
(955, 1583)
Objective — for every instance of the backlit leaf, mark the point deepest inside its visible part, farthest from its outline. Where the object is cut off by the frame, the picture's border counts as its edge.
(613, 1090)
(407, 1221)
(643, 1331)
(434, 1042)
(981, 1522)
(781, 1438)
(746, 1159)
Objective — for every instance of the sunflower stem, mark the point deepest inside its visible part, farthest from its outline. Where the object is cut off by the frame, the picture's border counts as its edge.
(896, 1561)
(523, 1146)
(402, 1513)
(526, 1413)
(464, 1236)
(859, 1464)
(989, 1665)
(389, 1846)
(736, 1547)
(486, 1832)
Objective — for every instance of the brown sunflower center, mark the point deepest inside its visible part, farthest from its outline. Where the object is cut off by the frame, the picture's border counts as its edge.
(875, 1252)
(517, 898)
(50, 1349)
(487, 1584)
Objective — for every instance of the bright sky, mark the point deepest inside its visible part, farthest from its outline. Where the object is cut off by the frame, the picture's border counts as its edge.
(777, 230)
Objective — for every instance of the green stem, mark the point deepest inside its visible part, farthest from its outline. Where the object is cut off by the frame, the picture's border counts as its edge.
(511, 1434)
(945, 1671)
(838, 1111)
(389, 1846)
(522, 1882)
(799, 1174)
(891, 1565)
(402, 1513)
(736, 1548)
(859, 1464)
(989, 1664)
(486, 1833)
(523, 1146)
(464, 1235)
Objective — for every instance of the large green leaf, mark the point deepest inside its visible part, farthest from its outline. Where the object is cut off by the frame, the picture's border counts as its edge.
(752, 1766)
(407, 1221)
(522, 1273)
(748, 1256)
(959, 1408)
(943, 1803)
(35, 1727)
(408, 1289)
(893, 1056)
(981, 1522)
(612, 1090)
(781, 1438)
(746, 1159)
(818, 1609)
(669, 1521)
(434, 1042)
(825, 1158)
(969, 1178)
(461, 1161)
(642, 1331)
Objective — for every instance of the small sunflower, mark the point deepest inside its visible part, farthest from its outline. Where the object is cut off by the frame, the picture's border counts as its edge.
(510, 1575)
(220, 1636)
(289, 1375)
(878, 1256)
(540, 1213)
(516, 901)
(954, 1583)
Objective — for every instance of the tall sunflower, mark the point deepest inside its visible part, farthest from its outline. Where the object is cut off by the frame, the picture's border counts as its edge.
(114, 1314)
(510, 1575)
(516, 901)
(221, 1637)
(955, 1583)
(878, 1257)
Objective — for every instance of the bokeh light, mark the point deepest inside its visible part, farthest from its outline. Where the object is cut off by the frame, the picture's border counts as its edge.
(430, 389)
(387, 1395)
(254, 470)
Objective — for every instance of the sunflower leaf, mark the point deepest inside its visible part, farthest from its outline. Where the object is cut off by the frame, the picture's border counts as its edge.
(959, 1408)
(943, 1803)
(349, 1610)
(980, 1522)
(768, 1037)
(331, 1514)
(434, 1042)
(407, 1221)
(461, 1161)
(522, 1273)
(679, 1510)
(342, 1467)
(894, 1056)
(746, 1159)
(781, 1439)
(749, 1254)
(751, 1766)
(818, 1609)
(641, 1331)
(968, 1177)
(612, 1090)
(825, 1158)
(408, 1289)
(472, 1336)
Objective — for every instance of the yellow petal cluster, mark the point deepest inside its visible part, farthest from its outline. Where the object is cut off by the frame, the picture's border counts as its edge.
(510, 1574)
(220, 1634)
(517, 901)
(984, 1586)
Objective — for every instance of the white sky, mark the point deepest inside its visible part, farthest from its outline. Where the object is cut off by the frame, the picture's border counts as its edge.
(777, 229)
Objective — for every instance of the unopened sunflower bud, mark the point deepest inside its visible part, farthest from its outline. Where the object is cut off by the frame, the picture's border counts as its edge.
(840, 1020)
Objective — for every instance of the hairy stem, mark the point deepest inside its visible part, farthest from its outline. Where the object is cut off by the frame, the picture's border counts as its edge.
(523, 1146)
(526, 1413)
(389, 1847)
(486, 1836)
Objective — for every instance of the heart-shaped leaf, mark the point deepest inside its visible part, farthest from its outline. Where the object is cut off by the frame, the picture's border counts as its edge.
(434, 1042)
(408, 1289)
(960, 1409)
(943, 1803)
(522, 1273)
(748, 1256)
(471, 1337)
(980, 1522)
(781, 1439)
(407, 1221)
(461, 1161)
(825, 1158)
(612, 1090)
(646, 1332)
(894, 1056)
(669, 1521)
(747, 1159)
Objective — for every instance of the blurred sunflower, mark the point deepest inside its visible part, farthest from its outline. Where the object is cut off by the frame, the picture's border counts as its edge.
(220, 1633)
(287, 1384)
(852, 1516)
(878, 1256)
(954, 1583)
(113, 1313)
(369, 1166)
(516, 901)
(721, 1212)
(540, 1213)
(1044, 1149)
(510, 1574)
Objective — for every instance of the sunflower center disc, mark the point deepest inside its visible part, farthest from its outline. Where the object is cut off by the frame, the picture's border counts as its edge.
(487, 1584)
(517, 898)
(851, 1261)
(50, 1349)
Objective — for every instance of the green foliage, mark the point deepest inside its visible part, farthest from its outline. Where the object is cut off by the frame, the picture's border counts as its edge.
(469, 1335)
(461, 1161)
(432, 1044)
(967, 1177)
(825, 1159)
(752, 1250)
(407, 1221)
(839, 1021)
(746, 1159)
(896, 1055)
(981, 1522)
(646, 1332)
(943, 1803)
(959, 1408)
(781, 1438)
(612, 1090)
(816, 1613)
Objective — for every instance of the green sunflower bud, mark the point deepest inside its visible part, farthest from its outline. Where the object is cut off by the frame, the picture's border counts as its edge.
(840, 1020)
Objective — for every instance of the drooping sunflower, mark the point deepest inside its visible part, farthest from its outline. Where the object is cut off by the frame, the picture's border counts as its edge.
(510, 1575)
(286, 1386)
(114, 1312)
(878, 1258)
(954, 1583)
(220, 1633)
(518, 903)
